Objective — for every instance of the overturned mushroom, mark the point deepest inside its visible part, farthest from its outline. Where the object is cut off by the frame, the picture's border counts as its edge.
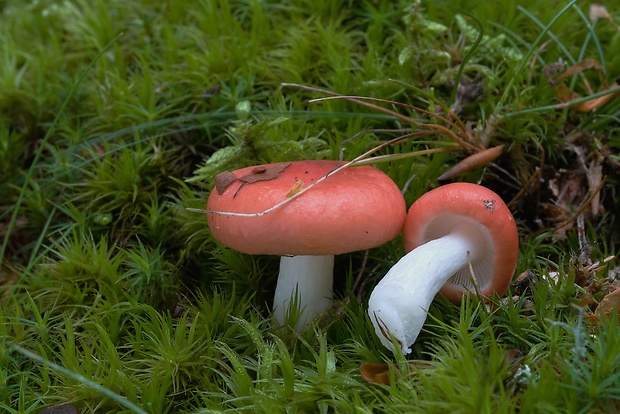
(461, 238)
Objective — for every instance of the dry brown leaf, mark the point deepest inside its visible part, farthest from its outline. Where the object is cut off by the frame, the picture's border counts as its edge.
(223, 180)
(376, 373)
(258, 173)
(586, 64)
(295, 188)
(595, 103)
(477, 160)
(610, 303)
(566, 94)
(264, 174)
(598, 11)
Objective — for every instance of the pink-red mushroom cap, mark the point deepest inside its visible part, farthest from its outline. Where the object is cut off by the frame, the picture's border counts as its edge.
(460, 238)
(356, 208)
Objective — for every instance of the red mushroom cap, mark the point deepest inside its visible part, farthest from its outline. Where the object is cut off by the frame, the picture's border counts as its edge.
(434, 215)
(356, 208)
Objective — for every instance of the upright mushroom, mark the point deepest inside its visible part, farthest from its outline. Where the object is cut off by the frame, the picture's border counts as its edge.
(356, 208)
(461, 238)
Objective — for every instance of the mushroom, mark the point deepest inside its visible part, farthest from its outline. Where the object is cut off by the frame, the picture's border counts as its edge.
(461, 239)
(356, 208)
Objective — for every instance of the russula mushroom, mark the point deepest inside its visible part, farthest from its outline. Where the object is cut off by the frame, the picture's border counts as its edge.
(460, 238)
(356, 208)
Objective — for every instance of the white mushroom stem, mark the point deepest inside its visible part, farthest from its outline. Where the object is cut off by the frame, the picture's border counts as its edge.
(311, 277)
(399, 303)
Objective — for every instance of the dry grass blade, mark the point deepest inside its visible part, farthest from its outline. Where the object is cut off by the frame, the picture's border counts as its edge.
(481, 157)
(302, 191)
(460, 138)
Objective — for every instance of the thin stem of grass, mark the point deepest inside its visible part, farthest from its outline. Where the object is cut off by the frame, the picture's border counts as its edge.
(39, 241)
(467, 56)
(526, 57)
(354, 162)
(80, 378)
(564, 104)
(361, 100)
(402, 156)
(591, 35)
(431, 98)
(403, 118)
(547, 30)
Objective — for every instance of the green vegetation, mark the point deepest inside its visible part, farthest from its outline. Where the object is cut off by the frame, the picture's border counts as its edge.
(116, 115)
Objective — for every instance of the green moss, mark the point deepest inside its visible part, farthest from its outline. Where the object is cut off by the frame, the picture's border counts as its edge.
(116, 115)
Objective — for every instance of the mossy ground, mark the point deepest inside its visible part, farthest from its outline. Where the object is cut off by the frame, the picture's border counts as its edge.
(116, 115)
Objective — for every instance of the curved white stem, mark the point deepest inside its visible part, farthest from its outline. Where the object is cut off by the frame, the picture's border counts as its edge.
(311, 277)
(399, 303)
